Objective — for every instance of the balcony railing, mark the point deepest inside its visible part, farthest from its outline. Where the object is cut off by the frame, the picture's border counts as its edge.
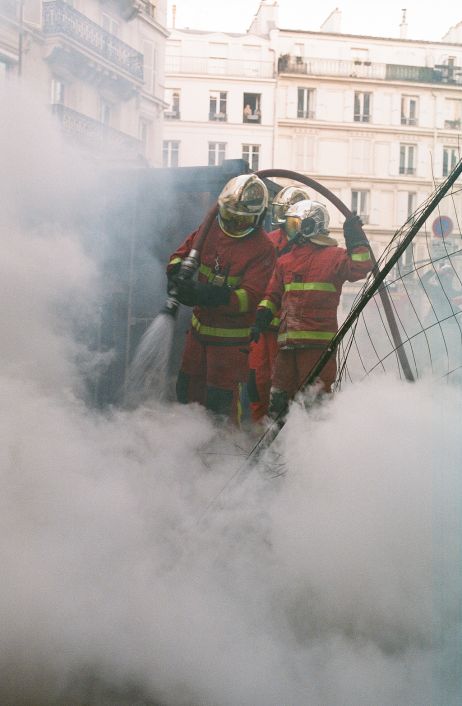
(98, 137)
(407, 170)
(362, 118)
(60, 18)
(220, 117)
(367, 69)
(452, 124)
(307, 114)
(408, 121)
(218, 67)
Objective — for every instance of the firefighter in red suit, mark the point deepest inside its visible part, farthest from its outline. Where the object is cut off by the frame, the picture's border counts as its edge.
(263, 352)
(236, 262)
(305, 287)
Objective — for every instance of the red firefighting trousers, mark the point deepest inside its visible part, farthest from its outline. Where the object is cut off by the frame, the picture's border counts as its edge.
(261, 362)
(213, 376)
(292, 366)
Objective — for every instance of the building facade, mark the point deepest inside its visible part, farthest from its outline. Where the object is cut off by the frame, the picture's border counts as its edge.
(375, 120)
(220, 90)
(99, 64)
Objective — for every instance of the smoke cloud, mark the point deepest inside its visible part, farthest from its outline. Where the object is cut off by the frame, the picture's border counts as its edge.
(134, 573)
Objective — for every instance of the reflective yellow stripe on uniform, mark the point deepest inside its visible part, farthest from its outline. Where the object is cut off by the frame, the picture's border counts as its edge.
(210, 274)
(306, 335)
(361, 257)
(268, 304)
(243, 299)
(310, 286)
(219, 332)
(275, 322)
(175, 260)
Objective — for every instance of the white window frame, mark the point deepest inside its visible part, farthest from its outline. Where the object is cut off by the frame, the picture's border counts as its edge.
(170, 153)
(305, 102)
(360, 203)
(251, 154)
(451, 155)
(219, 99)
(407, 158)
(409, 110)
(216, 154)
(105, 112)
(362, 100)
(58, 91)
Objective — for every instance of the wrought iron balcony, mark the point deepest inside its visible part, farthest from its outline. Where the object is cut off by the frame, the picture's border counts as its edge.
(408, 121)
(440, 73)
(220, 117)
(61, 19)
(307, 114)
(97, 137)
(452, 124)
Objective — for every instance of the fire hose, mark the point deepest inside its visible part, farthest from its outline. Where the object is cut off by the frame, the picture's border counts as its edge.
(191, 263)
(385, 299)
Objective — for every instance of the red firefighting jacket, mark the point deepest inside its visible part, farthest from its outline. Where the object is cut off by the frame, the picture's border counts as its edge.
(244, 264)
(279, 239)
(306, 287)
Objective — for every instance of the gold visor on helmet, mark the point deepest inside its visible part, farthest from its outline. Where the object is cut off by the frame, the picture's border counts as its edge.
(293, 227)
(278, 213)
(234, 224)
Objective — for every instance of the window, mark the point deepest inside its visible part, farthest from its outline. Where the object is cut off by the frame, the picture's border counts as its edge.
(450, 159)
(110, 25)
(360, 203)
(148, 66)
(170, 153)
(57, 91)
(105, 112)
(217, 152)
(407, 159)
(362, 107)
(453, 114)
(305, 106)
(409, 110)
(144, 132)
(411, 202)
(217, 105)
(251, 154)
(252, 108)
(172, 96)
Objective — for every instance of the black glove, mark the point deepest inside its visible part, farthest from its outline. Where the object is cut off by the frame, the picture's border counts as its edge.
(353, 232)
(172, 272)
(263, 320)
(193, 293)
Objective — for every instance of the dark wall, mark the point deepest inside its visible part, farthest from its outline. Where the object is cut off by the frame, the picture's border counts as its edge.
(145, 215)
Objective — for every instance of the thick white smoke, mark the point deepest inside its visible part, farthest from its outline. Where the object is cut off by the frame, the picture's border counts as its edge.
(338, 583)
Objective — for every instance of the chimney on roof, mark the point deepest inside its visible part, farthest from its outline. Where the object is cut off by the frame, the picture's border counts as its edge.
(266, 18)
(403, 25)
(333, 23)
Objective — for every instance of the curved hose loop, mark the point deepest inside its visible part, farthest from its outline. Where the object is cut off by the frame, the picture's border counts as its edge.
(386, 303)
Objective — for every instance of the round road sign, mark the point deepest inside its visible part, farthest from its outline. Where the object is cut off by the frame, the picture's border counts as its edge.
(442, 227)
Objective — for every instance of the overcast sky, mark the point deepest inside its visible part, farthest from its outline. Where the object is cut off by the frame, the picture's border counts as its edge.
(425, 20)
